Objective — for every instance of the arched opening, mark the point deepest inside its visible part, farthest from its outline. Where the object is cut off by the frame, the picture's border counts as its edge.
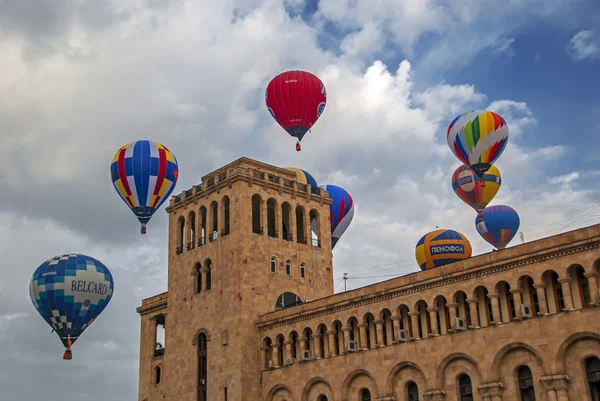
(463, 310)
(226, 228)
(294, 345)
(180, 234)
(271, 218)
(526, 390)
(308, 343)
(592, 371)
(288, 267)
(198, 278)
(323, 343)
(303, 270)
(554, 293)
(300, 235)
(405, 323)
(423, 320)
(315, 226)
(287, 300)
(465, 392)
(580, 288)
(280, 347)
(484, 306)
(442, 315)
(322, 398)
(208, 265)
(529, 293)
(369, 320)
(338, 337)
(412, 391)
(365, 395)
(214, 207)
(159, 345)
(202, 235)
(506, 302)
(268, 352)
(354, 332)
(157, 375)
(273, 264)
(202, 366)
(192, 231)
(286, 221)
(256, 214)
(387, 327)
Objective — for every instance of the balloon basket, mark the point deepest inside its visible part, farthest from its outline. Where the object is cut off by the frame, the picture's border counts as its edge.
(298, 148)
(68, 355)
(143, 229)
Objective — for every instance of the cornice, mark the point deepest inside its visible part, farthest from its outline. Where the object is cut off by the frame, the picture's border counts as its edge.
(153, 307)
(437, 282)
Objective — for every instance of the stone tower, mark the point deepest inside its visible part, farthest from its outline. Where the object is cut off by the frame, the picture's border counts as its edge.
(237, 243)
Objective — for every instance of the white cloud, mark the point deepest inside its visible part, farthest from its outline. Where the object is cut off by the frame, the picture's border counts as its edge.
(584, 45)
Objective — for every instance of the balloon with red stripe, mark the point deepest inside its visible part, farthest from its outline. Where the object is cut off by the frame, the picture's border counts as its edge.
(144, 173)
(296, 100)
(341, 211)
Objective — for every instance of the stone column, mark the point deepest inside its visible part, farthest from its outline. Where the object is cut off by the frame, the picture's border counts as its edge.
(556, 387)
(396, 323)
(203, 271)
(302, 341)
(433, 319)
(491, 391)
(414, 318)
(292, 228)
(275, 354)
(263, 218)
(346, 331)
(496, 308)
(474, 315)
(307, 227)
(288, 351)
(363, 336)
(263, 358)
(332, 349)
(434, 395)
(317, 341)
(593, 284)
(379, 333)
(540, 289)
(452, 309)
(565, 284)
(518, 300)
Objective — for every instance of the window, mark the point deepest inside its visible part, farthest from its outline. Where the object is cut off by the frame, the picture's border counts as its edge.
(273, 265)
(413, 391)
(225, 394)
(365, 395)
(286, 300)
(288, 267)
(464, 388)
(202, 374)
(198, 286)
(208, 265)
(157, 375)
(592, 370)
(323, 398)
(256, 210)
(526, 389)
(302, 270)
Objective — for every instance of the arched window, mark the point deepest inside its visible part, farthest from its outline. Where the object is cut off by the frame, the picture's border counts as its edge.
(464, 388)
(208, 266)
(322, 398)
(365, 395)
(225, 230)
(180, 235)
(592, 370)
(273, 265)
(413, 391)
(256, 218)
(157, 375)
(526, 389)
(288, 267)
(214, 232)
(202, 364)
(303, 270)
(198, 286)
(286, 300)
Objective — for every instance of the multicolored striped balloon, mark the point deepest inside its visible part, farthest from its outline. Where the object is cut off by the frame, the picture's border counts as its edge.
(303, 177)
(497, 225)
(144, 173)
(70, 292)
(341, 211)
(474, 191)
(441, 247)
(477, 138)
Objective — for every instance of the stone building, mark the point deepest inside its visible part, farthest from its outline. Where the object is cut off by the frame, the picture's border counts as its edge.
(250, 313)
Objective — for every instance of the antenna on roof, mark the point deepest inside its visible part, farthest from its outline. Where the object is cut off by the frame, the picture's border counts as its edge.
(522, 237)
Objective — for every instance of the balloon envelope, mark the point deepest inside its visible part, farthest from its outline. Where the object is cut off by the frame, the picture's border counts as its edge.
(144, 173)
(477, 138)
(341, 211)
(497, 224)
(468, 186)
(303, 177)
(296, 100)
(69, 292)
(441, 247)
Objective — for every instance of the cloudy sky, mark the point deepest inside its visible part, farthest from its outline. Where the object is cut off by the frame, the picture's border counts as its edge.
(78, 79)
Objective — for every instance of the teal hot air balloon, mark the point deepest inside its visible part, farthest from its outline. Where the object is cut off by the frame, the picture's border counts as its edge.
(70, 292)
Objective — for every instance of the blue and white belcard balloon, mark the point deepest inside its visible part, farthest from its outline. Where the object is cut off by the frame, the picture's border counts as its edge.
(69, 292)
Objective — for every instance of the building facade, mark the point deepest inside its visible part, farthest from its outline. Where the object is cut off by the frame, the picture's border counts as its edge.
(250, 313)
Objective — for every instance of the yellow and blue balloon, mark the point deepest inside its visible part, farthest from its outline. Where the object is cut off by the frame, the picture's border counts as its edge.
(441, 247)
(474, 191)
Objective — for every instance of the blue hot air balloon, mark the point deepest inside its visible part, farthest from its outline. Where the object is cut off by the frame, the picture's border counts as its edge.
(497, 225)
(341, 211)
(144, 173)
(69, 292)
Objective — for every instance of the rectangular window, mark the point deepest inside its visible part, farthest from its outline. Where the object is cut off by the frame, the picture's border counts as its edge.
(225, 394)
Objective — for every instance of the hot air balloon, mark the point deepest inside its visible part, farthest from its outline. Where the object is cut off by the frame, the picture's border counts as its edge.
(341, 212)
(497, 225)
(69, 292)
(296, 99)
(467, 186)
(441, 247)
(477, 138)
(144, 173)
(303, 177)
